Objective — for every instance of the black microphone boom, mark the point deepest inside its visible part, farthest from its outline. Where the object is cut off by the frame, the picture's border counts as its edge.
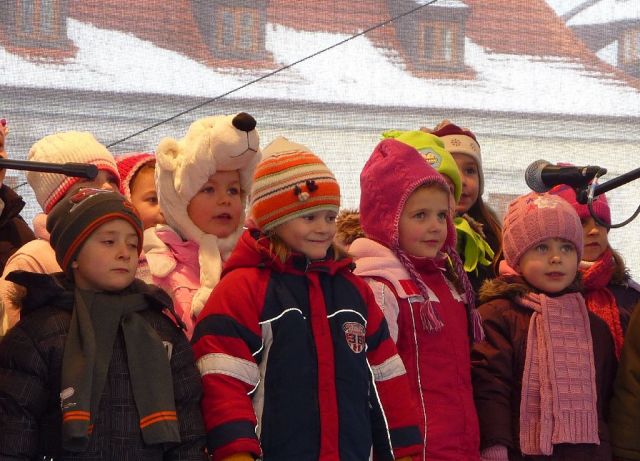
(81, 170)
(542, 175)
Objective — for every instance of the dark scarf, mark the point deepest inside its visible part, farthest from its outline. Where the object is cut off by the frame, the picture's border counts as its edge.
(600, 300)
(95, 322)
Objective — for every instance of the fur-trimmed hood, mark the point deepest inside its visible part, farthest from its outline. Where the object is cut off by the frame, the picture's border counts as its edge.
(506, 286)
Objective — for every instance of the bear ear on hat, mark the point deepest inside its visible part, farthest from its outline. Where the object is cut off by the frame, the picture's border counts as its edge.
(167, 154)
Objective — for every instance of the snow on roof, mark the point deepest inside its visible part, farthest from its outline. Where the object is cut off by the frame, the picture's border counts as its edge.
(444, 3)
(564, 6)
(357, 72)
(607, 11)
(609, 53)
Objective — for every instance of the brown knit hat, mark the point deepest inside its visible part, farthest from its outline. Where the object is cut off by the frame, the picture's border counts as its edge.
(72, 221)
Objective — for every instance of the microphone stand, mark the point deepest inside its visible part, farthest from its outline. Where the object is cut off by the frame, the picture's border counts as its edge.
(82, 170)
(585, 195)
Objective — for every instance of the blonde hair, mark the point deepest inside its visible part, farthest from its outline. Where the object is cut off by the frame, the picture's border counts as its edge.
(281, 251)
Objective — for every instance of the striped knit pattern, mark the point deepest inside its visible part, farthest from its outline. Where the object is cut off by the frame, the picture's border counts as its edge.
(291, 184)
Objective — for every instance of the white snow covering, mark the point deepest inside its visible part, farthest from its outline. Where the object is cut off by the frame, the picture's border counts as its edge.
(609, 53)
(356, 72)
(564, 6)
(607, 11)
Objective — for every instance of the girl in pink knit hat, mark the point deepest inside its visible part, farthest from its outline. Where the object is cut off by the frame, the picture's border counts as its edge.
(608, 289)
(409, 259)
(543, 377)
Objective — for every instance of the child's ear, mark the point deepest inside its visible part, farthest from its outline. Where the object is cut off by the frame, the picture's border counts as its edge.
(74, 264)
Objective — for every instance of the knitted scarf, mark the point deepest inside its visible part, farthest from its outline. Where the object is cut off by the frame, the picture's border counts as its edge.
(599, 298)
(559, 384)
(95, 322)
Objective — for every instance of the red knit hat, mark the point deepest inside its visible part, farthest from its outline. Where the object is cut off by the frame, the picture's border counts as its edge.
(461, 141)
(129, 165)
(599, 204)
(533, 218)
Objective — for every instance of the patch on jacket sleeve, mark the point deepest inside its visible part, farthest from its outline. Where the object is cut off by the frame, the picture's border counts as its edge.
(354, 333)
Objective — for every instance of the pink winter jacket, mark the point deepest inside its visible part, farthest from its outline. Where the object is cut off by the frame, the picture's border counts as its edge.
(438, 364)
(174, 267)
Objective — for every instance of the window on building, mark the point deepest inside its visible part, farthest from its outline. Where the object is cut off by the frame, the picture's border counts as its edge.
(631, 46)
(38, 19)
(438, 45)
(238, 30)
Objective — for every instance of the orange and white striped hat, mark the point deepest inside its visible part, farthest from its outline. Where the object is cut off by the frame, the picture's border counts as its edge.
(290, 182)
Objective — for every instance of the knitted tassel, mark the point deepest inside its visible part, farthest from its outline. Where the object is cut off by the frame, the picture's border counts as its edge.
(431, 320)
(474, 315)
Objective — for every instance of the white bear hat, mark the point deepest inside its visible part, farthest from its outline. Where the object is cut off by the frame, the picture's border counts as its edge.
(225, 143)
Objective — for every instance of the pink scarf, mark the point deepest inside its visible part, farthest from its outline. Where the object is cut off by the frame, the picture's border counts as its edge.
(599, 298)
(559, 383)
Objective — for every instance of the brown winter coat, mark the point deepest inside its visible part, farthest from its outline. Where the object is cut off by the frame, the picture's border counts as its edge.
(498, 367)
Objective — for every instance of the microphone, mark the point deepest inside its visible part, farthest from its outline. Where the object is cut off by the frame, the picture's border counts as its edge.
(542, 175)
(82, 170)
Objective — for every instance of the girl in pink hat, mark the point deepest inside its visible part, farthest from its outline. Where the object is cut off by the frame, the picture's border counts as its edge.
(543, 377)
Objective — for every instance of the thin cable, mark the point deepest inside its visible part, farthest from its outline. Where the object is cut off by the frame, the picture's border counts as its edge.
(209, 101)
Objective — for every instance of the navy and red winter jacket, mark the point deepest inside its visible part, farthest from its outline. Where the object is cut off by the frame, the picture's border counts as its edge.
(297, 363)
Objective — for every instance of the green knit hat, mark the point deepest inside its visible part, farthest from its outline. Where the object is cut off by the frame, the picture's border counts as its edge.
(432, 149)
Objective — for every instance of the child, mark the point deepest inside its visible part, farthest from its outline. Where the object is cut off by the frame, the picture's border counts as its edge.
(14, 232)
(608, 289)
(478, 228)
(94, 370)
(37, 255)
(202, 183)
(291, 340)
(347, 228)
(543, 377)
(624, 411)
(137, 177)
(410, 240)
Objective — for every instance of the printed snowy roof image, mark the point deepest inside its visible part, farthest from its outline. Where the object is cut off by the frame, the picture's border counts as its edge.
(553, 74)
(607, 11)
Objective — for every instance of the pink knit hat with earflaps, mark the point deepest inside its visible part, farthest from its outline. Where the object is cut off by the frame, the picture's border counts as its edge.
(533, 218)
(392, 173)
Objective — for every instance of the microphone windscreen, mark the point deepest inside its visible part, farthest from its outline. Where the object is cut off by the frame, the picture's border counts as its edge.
(533, 176)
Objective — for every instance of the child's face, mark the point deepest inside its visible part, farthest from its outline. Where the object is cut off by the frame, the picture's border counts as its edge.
(145, 198)
(108, 259)
(423, 222)
(596, 239)
(217, 208)
(470, 177)
(103, 180)
(311, 234)
(550, 266)
(452, 195)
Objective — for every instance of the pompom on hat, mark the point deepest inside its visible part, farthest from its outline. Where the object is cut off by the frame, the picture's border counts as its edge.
(73, 219)
(432, 149)
(129, 165)
(290, 182)
(533, 218)
(600, 205)
(64, 147)
(460, 141)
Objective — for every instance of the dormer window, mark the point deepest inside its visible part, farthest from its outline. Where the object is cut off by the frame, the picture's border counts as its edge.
(439, 45)
(238, 29)
(39, 20)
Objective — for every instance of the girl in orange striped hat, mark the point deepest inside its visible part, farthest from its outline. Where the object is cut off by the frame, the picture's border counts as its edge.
(295, 355)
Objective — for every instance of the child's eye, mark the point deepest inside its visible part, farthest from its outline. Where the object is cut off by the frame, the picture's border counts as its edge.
(442, 216)
(233, 191)
(567, 248)
(152, 200)
(470, 171)
(207, 190)
(420, 215)
(542, 248)
(309, 217)
(331, 218)
(108, 242)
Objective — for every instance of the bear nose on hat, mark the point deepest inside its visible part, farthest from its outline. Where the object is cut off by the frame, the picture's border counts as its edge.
(244, 122)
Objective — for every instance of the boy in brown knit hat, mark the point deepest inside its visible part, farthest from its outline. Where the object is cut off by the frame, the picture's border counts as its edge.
(89, 370)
